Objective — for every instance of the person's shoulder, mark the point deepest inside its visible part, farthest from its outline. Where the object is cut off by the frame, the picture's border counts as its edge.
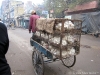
(2, 25)
(37, 16)
(34, 16)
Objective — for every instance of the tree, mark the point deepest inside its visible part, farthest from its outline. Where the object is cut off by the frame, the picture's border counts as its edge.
(77, 2)
(56, 5)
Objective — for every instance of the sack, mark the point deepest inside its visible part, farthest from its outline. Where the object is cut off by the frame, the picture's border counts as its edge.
(49, 25)
(40, 23)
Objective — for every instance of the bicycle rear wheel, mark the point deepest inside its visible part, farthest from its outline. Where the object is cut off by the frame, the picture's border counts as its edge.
(69, 61)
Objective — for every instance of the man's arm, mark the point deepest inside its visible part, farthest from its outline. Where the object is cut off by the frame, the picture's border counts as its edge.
(30, 24)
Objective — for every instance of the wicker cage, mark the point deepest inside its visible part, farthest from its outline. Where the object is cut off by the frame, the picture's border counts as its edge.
(69, 32)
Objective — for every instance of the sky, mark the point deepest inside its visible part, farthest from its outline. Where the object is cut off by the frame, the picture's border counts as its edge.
(0, 2)
(34, 1)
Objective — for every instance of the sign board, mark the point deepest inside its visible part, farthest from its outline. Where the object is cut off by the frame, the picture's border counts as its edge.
(68, 17)
(51, 11)
(26, 18)
(44, 12)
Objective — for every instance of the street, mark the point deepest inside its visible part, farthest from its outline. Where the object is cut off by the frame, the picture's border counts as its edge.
(19, 56)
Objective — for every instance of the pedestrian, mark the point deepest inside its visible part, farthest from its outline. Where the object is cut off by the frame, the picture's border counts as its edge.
(24, 25)
(32, 22)
(10, 25)
(4, 45)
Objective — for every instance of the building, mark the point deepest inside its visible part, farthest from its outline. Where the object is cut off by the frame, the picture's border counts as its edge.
(17, 10)
(0, 14)
(84, 8)
(4, 10)
(11, 9)
(23, 20)
(89, 13)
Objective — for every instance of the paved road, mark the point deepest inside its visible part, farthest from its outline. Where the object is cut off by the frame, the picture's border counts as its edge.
(20, 53)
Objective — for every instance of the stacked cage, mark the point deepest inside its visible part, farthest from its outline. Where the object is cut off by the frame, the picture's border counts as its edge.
(61, 37)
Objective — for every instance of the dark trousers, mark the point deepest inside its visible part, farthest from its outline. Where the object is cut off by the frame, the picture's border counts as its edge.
(33, 34)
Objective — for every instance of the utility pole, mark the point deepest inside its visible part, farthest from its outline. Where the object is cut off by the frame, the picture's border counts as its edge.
(9, 10)
(17, 9)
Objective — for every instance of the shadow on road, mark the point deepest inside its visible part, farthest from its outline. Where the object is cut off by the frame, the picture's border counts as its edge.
(49, 71)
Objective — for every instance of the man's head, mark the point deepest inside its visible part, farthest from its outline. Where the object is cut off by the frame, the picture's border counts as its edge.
(33, 12)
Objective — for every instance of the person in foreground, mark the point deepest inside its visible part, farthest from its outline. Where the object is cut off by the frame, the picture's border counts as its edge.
(4, 44)
(32, 22)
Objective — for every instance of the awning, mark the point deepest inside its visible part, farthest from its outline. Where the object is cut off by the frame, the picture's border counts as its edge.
(84, 8)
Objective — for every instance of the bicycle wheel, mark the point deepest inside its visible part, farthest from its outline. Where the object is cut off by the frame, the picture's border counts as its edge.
(69, 61)
(38, 62)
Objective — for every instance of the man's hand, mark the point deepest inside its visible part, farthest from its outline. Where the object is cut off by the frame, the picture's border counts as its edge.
(29, 31)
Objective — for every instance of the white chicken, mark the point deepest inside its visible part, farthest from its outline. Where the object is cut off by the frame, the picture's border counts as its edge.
(67, 25)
